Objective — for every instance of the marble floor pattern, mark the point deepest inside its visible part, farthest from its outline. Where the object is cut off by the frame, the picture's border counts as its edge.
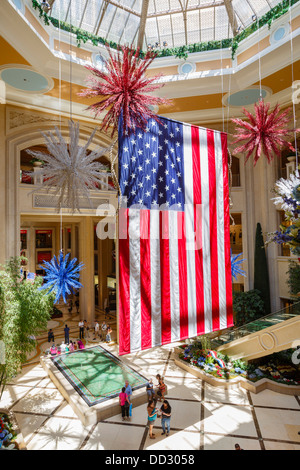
(203, 417)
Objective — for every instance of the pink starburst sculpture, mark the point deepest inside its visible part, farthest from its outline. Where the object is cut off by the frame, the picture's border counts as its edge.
(122, 86)
(265, 132)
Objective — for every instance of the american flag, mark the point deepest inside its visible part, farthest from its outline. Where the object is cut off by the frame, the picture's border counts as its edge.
(31, 276)
(174, 235)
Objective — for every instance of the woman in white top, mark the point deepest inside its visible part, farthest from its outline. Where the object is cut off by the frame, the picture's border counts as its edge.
(96, 329)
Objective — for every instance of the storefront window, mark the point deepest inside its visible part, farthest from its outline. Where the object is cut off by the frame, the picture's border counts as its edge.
(23, 237)
(43, 238)
(236, 234)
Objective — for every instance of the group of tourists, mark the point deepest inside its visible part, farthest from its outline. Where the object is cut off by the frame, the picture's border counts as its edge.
(152, 411)
(72, 346)
(103, 332)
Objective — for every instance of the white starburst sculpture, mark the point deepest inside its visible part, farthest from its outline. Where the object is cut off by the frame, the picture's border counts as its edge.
(288, 194)
(70, 171)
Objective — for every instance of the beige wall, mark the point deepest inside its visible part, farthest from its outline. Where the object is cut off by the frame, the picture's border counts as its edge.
(2, 184)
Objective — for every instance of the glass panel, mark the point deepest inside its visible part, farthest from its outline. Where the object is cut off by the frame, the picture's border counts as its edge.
(260, 324)
(236, 235)
(193, 27)
(178, 29)
(60, 9)
(222, 23)
(244, 11)
(164, 26)
(119, 25)
(43, 238)
(91, 15)
(207, 24)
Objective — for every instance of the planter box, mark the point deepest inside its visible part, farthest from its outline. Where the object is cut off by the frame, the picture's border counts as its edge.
(239, 382)
(19, 440)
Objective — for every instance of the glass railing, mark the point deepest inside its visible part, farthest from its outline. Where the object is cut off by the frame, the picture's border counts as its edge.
(261, 323)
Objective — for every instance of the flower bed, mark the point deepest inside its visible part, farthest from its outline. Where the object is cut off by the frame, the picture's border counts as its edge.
(212, 362)
(8, 433)
(276, 368)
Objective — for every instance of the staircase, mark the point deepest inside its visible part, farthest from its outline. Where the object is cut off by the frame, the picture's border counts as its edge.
(267, 335)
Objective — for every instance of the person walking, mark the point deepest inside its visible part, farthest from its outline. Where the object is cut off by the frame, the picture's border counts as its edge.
(67, 334)
(70, 308)
(108, 334)
(124, 403)
(152, 415)
(87, 329)
(50, 336)
(161, 388)
(150, 390)
(165, 417)
(103, 330)
(96, 328)
(128, 390)
(81, 329)
(77, 305)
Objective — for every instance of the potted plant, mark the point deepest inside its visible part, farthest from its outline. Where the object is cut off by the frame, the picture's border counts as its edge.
(37, 162)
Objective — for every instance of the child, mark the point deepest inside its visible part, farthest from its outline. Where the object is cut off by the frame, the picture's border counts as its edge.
(108, 335)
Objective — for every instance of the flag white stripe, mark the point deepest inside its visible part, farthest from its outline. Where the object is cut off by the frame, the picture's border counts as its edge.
(174, 273)
(220, 231)
(206, 230)
(135, 280)
(189, 230)
(155, 278)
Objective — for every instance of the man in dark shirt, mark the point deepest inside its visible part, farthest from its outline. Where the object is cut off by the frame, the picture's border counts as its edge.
(67, 334)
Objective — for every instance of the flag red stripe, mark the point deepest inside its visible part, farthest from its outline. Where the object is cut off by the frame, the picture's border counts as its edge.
(213, 231)
(199, 286)
(145, 280)
(227, 232)
(124, 283)
(165, 278)
(182, 277)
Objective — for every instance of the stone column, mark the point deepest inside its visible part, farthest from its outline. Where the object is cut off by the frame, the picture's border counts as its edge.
(86, 256)
(259, 208)
(2, 185)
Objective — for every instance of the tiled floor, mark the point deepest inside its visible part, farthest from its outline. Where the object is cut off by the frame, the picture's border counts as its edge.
(203, 417)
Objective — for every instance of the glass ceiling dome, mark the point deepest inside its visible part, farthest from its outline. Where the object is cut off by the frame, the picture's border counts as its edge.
(169, 23)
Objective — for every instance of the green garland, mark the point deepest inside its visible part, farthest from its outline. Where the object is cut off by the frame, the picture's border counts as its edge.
(181, 52)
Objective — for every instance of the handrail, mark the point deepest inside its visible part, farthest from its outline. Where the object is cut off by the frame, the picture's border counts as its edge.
(245, 330)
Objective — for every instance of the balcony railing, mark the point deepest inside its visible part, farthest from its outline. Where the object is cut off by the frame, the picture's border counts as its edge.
(33, 178)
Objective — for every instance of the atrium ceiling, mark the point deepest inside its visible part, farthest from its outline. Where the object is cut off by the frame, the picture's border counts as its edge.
(161, 23)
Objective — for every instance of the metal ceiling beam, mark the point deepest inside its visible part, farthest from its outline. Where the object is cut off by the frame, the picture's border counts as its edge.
(231, 16)
(101, 16)
(144, 15)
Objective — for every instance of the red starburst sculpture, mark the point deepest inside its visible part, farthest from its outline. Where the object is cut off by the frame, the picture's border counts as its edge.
(265, 132)
(122, 85)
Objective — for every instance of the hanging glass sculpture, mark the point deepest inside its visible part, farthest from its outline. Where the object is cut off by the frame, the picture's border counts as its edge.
(121, 86)
(265, 132)
(62, 276)
(288, 197)
(235, 266)
(71, 170)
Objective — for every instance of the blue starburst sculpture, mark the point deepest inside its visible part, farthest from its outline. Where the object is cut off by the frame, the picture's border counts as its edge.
(235, 266)
(62, 276)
